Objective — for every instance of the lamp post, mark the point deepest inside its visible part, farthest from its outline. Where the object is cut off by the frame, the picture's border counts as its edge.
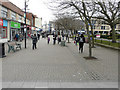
(25, 27)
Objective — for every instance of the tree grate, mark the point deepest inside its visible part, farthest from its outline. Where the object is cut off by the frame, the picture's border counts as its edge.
(94, 76)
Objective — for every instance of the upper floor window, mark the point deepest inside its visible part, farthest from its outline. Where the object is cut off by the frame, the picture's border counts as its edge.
(13, 16)
(19, 18)
(28, 21)
(103, 27)
(93, 21)
(119, 26)
(103, 22)
(32, 21)
(4, 12)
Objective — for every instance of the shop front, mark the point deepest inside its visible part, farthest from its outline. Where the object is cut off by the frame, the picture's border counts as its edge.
(3, 29)
(14, 29)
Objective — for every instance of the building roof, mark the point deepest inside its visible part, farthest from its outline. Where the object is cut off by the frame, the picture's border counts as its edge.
(12, 7)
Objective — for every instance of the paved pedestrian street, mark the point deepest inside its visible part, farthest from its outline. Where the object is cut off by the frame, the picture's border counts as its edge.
(54, 66)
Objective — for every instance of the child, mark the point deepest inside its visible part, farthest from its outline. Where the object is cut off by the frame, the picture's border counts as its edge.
(48, 40)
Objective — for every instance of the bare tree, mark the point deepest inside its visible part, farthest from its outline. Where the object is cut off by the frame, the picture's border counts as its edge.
(68, 23)
(85, 12)
(109, 11)
(82, 9)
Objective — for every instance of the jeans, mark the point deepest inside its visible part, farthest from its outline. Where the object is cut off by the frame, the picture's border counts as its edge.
(34, 46)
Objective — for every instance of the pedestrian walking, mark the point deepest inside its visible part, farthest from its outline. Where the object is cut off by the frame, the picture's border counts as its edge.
(16, 37)
(54, 40)
(38, 35)
(81, 41)
(62, 36)
(66, 36)
(59, 40)
(34, 41)
(48, 39)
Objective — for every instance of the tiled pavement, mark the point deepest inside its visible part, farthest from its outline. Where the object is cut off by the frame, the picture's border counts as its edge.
(53, 66)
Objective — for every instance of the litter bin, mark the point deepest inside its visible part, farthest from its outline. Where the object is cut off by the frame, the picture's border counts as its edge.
(62, 43)
(2, 50)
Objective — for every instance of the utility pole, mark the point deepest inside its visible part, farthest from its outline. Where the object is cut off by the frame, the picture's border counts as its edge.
(25, 27)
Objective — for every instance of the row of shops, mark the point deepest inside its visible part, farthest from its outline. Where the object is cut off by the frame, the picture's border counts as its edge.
(8, 29)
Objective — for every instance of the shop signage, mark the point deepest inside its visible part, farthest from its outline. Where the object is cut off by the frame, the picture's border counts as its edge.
(15, 24)
(5, 23)
(1, 22)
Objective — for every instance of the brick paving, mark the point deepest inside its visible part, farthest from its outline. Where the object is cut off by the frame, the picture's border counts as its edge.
(53, 66)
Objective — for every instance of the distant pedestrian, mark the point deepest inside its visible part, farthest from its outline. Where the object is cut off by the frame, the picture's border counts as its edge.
(48, 39)
(76, 40)
(62, 36)
(81, 41)
(38, 35)
(54, 40)
(59, 40)
(34, 41)
(66, 36)
(16, 36)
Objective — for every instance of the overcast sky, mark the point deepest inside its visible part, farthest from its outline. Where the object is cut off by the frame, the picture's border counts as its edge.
(37, 7)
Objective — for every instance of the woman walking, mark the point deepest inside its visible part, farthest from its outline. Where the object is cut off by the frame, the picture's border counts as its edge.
(81, 40)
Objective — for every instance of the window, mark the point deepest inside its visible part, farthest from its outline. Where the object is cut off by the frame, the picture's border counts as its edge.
(4, 12)
(115, 26)
(119, 27)
(20, 18)
(94, 27)
(28, 22)
(103, 27)
(103, 22)
(13, 15)
(93, 21)
(32, 21)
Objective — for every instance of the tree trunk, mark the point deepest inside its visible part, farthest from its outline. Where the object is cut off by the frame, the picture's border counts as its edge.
(89, 40)
(93, 44)
(113, 34)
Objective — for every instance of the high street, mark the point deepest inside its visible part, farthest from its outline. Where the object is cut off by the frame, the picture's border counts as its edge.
(54, 66)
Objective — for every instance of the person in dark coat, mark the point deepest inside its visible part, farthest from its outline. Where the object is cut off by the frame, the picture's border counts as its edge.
(38, 36)
(16, 36)
(81, 41)
(66, 36)
(34, 41)
(54, 40)
(59, 40)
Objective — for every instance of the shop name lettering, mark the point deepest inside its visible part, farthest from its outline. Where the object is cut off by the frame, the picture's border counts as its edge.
(15, 25)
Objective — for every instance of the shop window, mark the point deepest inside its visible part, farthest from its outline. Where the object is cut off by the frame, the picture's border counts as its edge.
(4, 12)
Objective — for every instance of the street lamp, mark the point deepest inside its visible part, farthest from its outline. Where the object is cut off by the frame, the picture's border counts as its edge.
(25, 28)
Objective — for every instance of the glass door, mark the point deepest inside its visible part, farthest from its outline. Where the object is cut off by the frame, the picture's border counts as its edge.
(4, 32)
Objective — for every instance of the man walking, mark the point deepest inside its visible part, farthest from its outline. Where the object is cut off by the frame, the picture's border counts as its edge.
(38, 36)
(54, 39)
(34, 41)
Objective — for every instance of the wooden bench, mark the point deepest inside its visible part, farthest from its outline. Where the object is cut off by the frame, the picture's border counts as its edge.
(12, 45)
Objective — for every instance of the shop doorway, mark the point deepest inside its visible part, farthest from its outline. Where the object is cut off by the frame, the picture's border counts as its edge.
(3, 32)
(13, 32)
